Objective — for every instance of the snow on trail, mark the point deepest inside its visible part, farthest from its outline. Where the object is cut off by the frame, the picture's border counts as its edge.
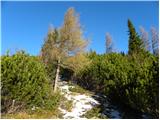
(81, 102)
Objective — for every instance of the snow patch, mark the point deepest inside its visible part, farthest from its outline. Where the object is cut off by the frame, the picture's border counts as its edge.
(81, 103)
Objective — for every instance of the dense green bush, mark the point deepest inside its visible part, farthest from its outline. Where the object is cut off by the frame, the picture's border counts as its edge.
(24, 80)
(142, 90)
(130, 80)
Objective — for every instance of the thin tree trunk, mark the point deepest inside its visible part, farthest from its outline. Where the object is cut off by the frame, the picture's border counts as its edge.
(57, 76)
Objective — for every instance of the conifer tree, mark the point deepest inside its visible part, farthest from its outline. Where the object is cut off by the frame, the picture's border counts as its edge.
(65, 46)
(134, 40)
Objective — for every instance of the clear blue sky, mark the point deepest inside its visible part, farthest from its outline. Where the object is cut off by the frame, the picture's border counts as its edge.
(25, 24)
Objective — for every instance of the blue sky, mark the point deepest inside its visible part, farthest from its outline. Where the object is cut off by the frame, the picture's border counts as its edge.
(25, 24)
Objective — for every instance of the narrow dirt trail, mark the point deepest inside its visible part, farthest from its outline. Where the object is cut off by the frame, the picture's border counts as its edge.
(85, 102)
(81, 102)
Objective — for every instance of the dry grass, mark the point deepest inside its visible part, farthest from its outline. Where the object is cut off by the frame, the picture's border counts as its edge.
(92, 113)
(67, 104)
(39, 114)
(80, 90)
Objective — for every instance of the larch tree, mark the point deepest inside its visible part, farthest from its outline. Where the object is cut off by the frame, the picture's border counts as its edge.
(50, 50)
(145, 39)
(134, 40)
(109, 43)
(66, 46)
(48, 45)
(72, 36)
(155, 40)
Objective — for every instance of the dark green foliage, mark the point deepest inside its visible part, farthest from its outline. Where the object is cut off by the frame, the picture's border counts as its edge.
(135, 42)
(129, 80)
(24, 79)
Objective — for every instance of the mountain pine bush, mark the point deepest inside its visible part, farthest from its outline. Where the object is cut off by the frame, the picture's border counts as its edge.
(128, 80)
(24, 80)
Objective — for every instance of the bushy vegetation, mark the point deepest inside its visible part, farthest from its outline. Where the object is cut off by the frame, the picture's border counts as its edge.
(25, 83)
(130, 80)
